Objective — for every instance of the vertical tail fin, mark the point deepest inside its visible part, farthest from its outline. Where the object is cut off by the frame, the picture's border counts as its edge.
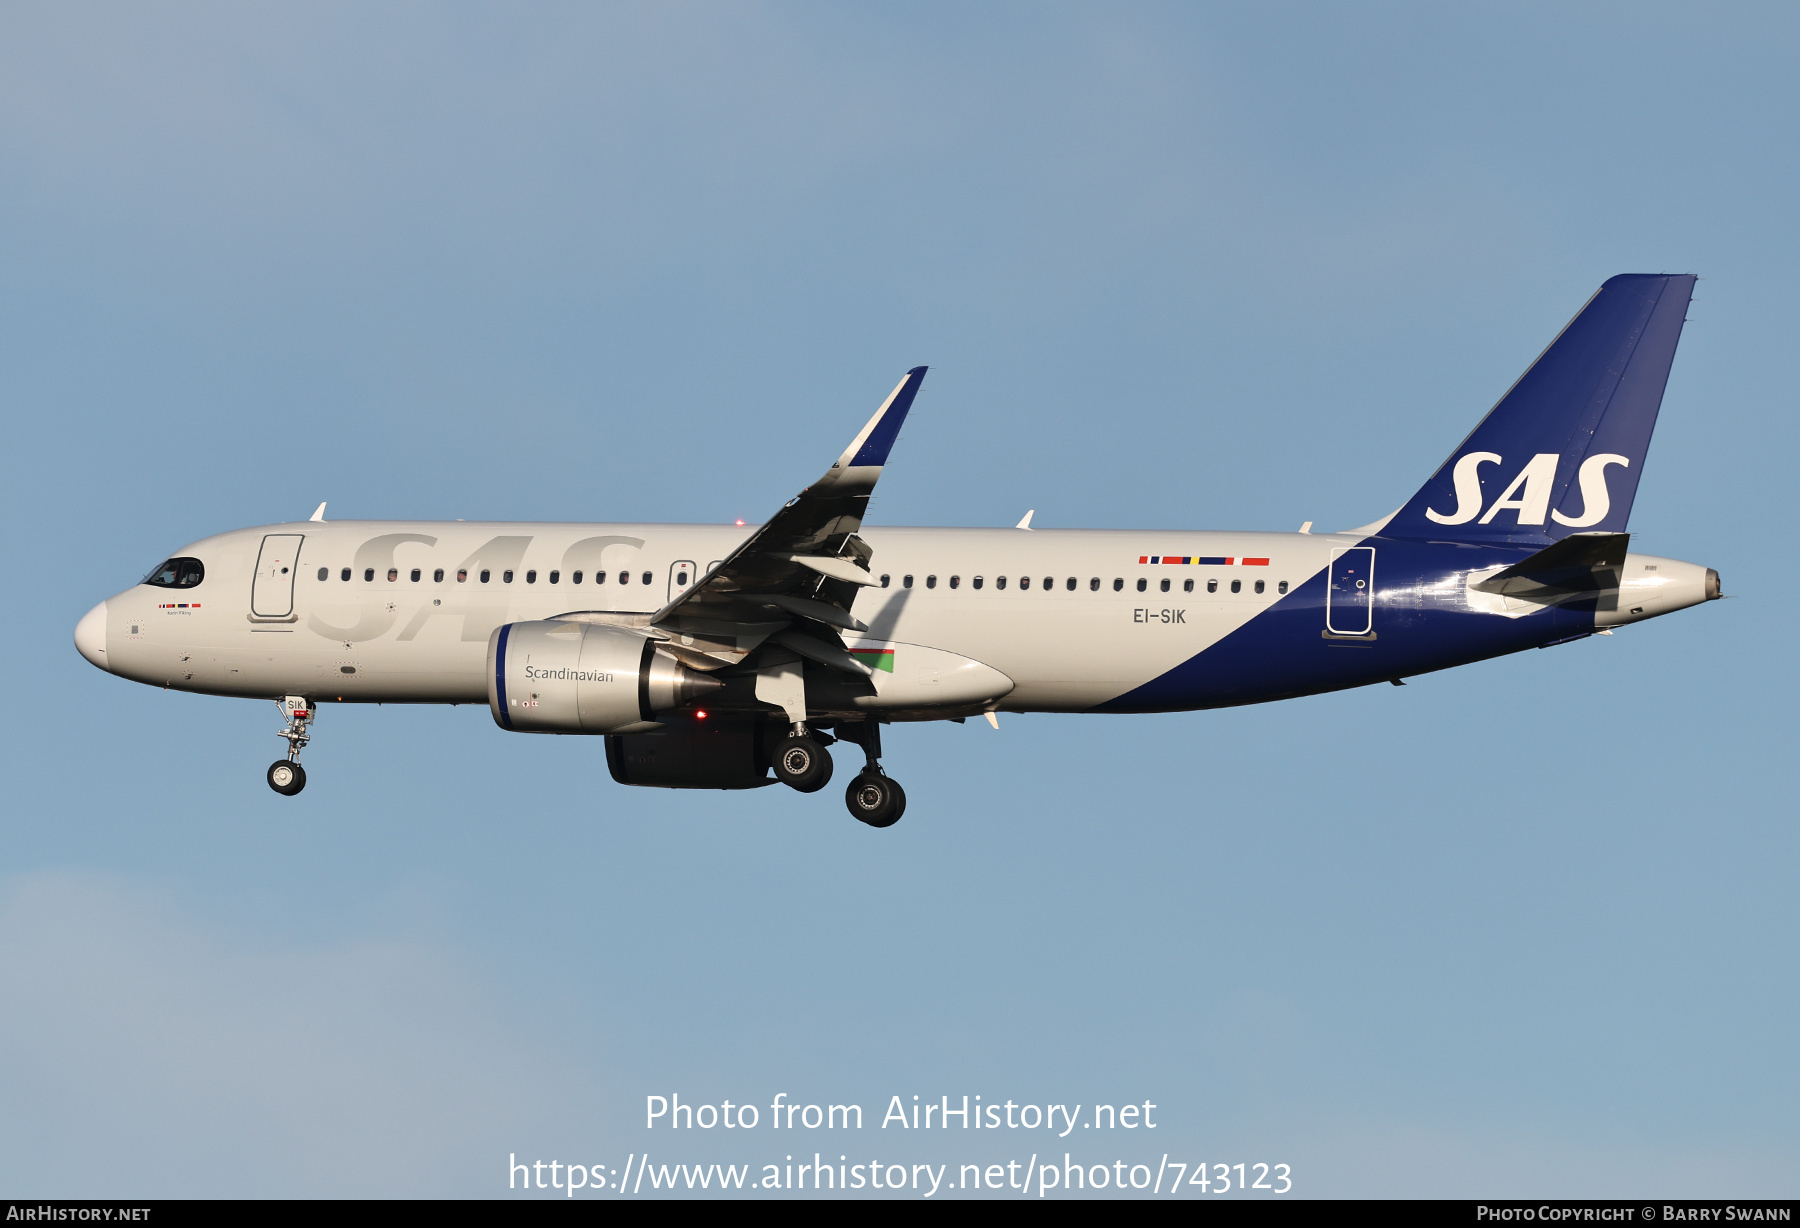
(1564, 448)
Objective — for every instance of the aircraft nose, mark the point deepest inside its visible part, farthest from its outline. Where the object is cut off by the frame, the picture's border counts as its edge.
(90, 636)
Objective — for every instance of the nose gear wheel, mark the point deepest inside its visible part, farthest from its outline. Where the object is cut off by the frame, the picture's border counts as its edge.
(286, 778)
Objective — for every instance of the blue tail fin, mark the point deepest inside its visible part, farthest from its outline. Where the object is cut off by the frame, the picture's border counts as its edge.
(1563, 450)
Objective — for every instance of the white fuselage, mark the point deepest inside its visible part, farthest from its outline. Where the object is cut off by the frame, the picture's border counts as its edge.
(394, 632)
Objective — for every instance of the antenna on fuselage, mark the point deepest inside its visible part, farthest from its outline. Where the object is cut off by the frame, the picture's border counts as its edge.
(318, 516)
(1026, 523)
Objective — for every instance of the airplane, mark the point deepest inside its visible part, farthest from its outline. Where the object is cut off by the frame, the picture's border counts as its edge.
(731, 657)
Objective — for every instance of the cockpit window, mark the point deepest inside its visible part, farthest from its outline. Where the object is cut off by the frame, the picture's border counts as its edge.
(177, 573)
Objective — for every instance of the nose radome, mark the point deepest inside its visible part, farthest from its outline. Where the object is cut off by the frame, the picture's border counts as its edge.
(90, 636)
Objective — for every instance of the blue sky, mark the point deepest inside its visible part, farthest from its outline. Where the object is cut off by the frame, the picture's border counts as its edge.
(1527, 927)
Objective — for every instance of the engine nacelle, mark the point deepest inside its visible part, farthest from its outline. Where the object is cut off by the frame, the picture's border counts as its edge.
(569, 677)
(694, 754)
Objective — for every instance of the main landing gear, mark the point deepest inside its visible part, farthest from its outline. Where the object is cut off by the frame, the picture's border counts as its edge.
(801, 763)
(286, 776)
(873, 797)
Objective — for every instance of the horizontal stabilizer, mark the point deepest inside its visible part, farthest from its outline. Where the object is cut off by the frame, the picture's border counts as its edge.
(1586, 562)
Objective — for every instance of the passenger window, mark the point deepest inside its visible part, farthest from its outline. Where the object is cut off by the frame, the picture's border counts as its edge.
(1049, 583)
(624, 577)
(485, 573)
(1071, 584)
(324, 573)
(177, 573)
(344, 574)
(393, 574)
(1259, 586)
(506, 577)
(999, 581)
(886, 580)
(437, 577)
(555, 576)
(462, 575)
(415, 575)
(1024, 582)
(1165, 586)
(575, 577)
(1212, 586)
(906, 582)
(599, 577)
(368, 575)
(975, 583)
(1187, 586)
(1118, 584)
(1282, 587)
(1142, 584)
(1237, 586)
(1094, 585)
(955, 581)
(930, 581)
(531, 577)
(646, 577)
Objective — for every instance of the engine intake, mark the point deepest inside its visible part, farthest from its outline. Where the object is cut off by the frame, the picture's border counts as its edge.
(568, 677)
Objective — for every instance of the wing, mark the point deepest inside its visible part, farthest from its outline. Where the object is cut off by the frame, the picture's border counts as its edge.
(797, 574)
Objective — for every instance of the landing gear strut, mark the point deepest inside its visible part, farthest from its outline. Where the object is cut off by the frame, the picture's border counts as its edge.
(286, 776)
(872, 797)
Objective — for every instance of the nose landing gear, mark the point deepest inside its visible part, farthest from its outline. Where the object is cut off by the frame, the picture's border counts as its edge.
(286, 776)
(873, 797)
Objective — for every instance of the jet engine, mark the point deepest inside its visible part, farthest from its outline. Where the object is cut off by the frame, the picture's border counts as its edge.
(689, 753)
(557, 676)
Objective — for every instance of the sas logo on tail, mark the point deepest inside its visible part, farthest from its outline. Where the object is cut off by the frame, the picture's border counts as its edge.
(1529, 493)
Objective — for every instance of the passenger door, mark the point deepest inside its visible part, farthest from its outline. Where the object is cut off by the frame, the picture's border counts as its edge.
(1350, 592)
(272, 592)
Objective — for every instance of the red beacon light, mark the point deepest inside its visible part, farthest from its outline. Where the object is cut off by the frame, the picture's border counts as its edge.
(700, 715)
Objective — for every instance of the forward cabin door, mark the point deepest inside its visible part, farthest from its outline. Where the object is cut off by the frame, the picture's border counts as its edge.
(1350, 592)
(272, 593)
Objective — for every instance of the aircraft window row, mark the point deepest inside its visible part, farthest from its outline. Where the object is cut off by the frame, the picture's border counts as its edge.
(1072, 583)
(177, 574)
(186, 573)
